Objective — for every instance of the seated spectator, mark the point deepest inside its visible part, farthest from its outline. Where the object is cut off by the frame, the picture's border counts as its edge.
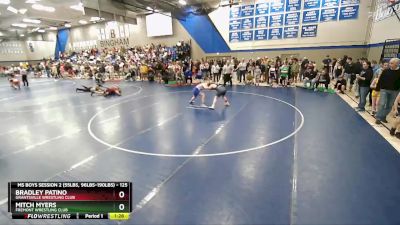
(340, 85)
(324, 78)
(309, 77)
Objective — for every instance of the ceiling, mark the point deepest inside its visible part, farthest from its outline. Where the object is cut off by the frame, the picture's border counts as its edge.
(63, 12)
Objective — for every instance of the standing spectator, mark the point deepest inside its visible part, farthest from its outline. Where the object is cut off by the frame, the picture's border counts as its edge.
(364, 82)
(242, 71)
(284, 74)
(338, 70)
(327, 61)
(358, 67)
(295, 69)
(215, 70)
(376, 94)
(257, 75)
(349, 72)
(388, 85)
(227, 71)
(303, 67)
(332, 67)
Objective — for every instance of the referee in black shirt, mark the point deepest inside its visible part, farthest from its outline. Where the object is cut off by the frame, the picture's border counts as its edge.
(388, 85)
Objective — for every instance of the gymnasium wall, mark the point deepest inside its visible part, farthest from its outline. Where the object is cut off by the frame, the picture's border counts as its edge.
(317, 55)
(16, 51)
(336, 38)
(385, 26)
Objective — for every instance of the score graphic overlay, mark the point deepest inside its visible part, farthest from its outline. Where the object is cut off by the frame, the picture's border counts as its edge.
(70, 200)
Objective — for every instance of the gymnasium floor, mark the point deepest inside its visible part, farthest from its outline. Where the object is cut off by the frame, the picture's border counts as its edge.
(276, 156)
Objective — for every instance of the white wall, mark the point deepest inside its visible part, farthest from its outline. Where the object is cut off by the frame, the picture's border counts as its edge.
(336, 33)
(387, 28)
(41, 49)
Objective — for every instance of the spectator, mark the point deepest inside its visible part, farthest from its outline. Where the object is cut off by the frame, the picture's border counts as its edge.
(324, 79)
(388, 85)
(340, 85)
(349, 72)
(309, 77)
(327, 61)
(364, 82)
(375, 93)
(242, 70)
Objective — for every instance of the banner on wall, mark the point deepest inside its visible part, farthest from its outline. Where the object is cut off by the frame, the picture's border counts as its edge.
(261, 22)
(247, 23)
(277, 6)
(293, 5)
(328, 15)
(311, 4)
(246, 35)
(260, 35)
(350, 2)
(383, 11)
(113, 42)
(247, 10)
(348, 12)
(262, 8)
(309, 30)
(234, 36)
(275, 33)
(292, 19)
(234, 24)
(311, 16)
(330, 3)
(235, 12)
(276, 20)
(291, 32)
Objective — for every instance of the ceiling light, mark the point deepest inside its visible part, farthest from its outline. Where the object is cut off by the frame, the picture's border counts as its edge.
(26, 20)
(31, 1)
(41, 31)
(156, 10)
(82, 22)
(22, 25)
(149, 8)
(43, 8)
(78, 7)
(5, 2)
(67, 25)
(94, 18)
(22, 35)
(22, 11)
(182, 2)
(52, 28)
(12, 9)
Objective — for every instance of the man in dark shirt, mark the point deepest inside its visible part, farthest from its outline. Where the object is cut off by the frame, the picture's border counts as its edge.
(388, 85)
(349, 73)
(326, 62)
(309, 76)
(364, 82)
(303, 66)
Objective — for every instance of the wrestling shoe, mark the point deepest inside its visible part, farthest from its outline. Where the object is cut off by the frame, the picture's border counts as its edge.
(191, 102)
(203, 105)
